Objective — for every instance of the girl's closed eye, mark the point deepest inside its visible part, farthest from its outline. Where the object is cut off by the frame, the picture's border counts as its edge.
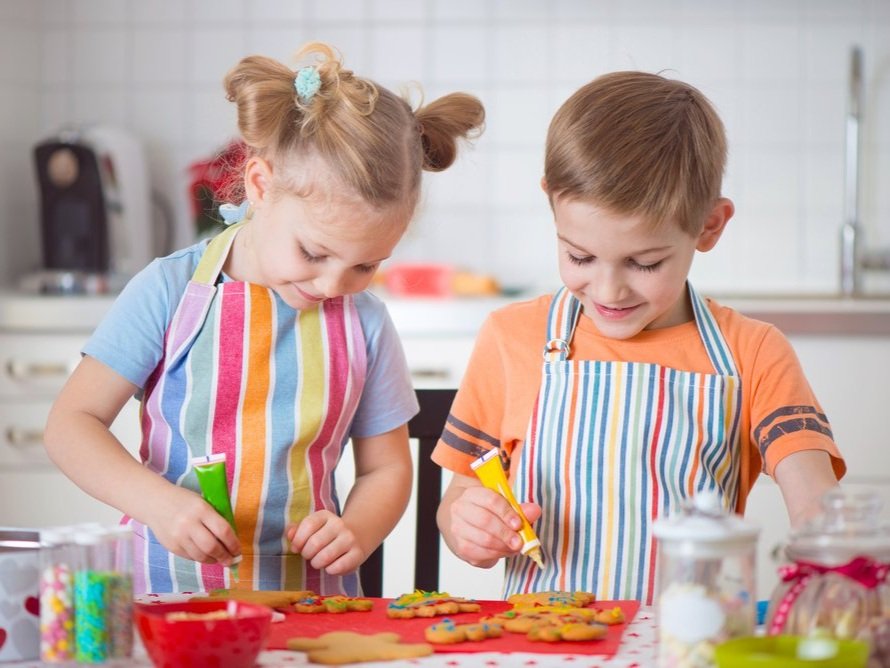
(309, 257)
(579, 259)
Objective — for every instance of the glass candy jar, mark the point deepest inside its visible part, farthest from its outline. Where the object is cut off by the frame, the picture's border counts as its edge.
(837, 581)
(706, 579)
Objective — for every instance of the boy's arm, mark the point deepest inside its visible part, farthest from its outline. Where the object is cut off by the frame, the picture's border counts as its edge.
(804, 476)
(478, 524)
(79, 442)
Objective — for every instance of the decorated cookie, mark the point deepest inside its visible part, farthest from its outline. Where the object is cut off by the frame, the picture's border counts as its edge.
(570, 632)
(560, 599)
(340, 647)
(447, 632)
(274, 599)
(336, 604)
(429, 604)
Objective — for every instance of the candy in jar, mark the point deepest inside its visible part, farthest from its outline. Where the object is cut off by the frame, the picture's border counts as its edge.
(706, 579)
(836, 582)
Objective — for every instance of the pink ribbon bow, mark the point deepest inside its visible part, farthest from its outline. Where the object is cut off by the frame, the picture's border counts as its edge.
(863, 570)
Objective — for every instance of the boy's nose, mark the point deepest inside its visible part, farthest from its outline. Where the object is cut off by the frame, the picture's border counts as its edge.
(610, 288)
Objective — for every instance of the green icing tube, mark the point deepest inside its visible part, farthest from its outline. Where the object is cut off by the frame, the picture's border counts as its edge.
(211, 473)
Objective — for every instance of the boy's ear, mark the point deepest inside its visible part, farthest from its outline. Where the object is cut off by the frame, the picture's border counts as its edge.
(544, 185)
(715, 223)
(257, 180)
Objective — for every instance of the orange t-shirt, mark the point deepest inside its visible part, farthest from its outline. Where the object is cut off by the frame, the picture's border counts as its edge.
(780, 414)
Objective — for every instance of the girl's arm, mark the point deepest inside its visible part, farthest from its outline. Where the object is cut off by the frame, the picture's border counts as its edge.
(78, 441)
(478, 524)
(383, 477)
(803, 477)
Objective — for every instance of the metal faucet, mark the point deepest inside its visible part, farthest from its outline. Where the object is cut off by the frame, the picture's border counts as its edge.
(854, 257)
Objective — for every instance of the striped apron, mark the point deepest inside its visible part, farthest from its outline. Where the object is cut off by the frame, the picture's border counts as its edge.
(611, 446)
(273, 388)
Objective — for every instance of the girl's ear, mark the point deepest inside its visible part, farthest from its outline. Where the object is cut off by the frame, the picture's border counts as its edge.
(715, 224)
(257, 180)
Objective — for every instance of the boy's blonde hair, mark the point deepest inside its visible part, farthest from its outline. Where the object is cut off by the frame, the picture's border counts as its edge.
(371, 139)
(638, 144)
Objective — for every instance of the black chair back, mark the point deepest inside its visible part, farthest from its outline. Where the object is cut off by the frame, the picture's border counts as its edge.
(426, 427)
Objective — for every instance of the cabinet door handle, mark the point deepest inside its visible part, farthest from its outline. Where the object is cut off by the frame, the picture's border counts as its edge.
(19, 370)
(431, 374)
(24, 438)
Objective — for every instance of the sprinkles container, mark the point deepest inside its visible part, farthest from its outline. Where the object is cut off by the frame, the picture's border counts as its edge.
(56, 596)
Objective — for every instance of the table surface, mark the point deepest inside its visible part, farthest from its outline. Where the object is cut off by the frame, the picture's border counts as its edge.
(637, 650)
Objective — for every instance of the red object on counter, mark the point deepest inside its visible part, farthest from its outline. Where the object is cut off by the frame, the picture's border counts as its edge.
(419, 280)
(412, 630)
(223, 643)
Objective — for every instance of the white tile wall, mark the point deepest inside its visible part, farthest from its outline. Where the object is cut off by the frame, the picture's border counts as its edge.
(777, 72)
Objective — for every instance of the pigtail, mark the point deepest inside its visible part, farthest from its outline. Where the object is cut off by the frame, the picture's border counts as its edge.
(442, 122)
(263, 91)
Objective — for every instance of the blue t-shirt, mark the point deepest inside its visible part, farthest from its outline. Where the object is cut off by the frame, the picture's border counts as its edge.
(130, 340)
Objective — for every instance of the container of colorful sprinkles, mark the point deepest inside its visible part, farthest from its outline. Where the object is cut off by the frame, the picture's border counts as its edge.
(57, 553)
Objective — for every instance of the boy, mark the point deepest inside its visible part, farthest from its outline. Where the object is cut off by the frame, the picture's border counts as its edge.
(648, 393)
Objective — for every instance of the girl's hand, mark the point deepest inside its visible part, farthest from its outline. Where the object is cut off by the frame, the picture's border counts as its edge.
(326, 542)
(483, 526)
(188, 526)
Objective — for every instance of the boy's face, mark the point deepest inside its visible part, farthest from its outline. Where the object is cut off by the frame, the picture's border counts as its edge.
(628, 276)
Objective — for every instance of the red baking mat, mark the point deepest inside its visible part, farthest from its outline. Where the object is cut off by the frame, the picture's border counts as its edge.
(411, 630)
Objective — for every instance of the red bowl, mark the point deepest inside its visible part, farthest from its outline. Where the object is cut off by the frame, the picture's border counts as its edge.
(203, 643)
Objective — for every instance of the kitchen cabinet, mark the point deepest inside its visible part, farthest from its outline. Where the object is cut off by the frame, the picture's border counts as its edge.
(35, 360)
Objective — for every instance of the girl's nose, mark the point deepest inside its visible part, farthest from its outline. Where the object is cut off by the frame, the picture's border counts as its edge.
(335, 284)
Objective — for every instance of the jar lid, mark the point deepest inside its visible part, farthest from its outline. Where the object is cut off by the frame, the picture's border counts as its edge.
(704, 521)
(850, 526)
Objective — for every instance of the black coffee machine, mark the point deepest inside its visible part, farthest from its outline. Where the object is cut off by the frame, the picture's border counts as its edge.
(74, 221)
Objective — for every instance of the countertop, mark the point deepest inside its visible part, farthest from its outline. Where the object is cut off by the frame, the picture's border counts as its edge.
(793, 314)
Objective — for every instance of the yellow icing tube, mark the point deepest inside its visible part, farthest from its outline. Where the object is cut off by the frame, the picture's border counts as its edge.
(211, 473)
(489, 470)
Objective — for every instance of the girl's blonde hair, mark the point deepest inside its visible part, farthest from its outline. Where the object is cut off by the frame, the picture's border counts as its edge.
(638, 144)
(371, 139)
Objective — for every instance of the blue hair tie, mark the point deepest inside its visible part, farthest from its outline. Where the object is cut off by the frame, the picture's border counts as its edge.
(307, 82)
(232, 213)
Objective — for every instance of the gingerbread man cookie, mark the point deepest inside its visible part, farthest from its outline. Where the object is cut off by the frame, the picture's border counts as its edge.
(447, 632)
(274, 599)
(340, 647)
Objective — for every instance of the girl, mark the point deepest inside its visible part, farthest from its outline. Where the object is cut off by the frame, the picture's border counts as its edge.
(263, 345)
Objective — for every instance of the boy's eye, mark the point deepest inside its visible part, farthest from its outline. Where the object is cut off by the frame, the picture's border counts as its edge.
(645, 267)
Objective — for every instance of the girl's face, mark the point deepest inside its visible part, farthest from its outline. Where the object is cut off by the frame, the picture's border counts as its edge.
(308, 249)
(627, 276)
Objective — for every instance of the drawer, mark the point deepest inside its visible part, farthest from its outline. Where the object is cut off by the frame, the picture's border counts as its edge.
(36, 365)
(437, 362)
(21, 433)
(45, 497)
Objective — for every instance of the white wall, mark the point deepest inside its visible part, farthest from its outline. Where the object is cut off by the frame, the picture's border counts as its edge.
(776, 69)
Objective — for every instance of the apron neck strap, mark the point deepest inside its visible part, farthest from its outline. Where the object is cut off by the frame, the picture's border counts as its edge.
(214, 257)
(565, 310)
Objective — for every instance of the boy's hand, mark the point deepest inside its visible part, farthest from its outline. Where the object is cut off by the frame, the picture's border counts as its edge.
(189, 527)
(484, 526)
(325, 541)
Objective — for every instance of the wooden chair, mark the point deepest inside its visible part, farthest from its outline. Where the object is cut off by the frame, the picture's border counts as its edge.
(426, 427)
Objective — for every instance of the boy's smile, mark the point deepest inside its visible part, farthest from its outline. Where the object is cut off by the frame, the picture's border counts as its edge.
(628, 275)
